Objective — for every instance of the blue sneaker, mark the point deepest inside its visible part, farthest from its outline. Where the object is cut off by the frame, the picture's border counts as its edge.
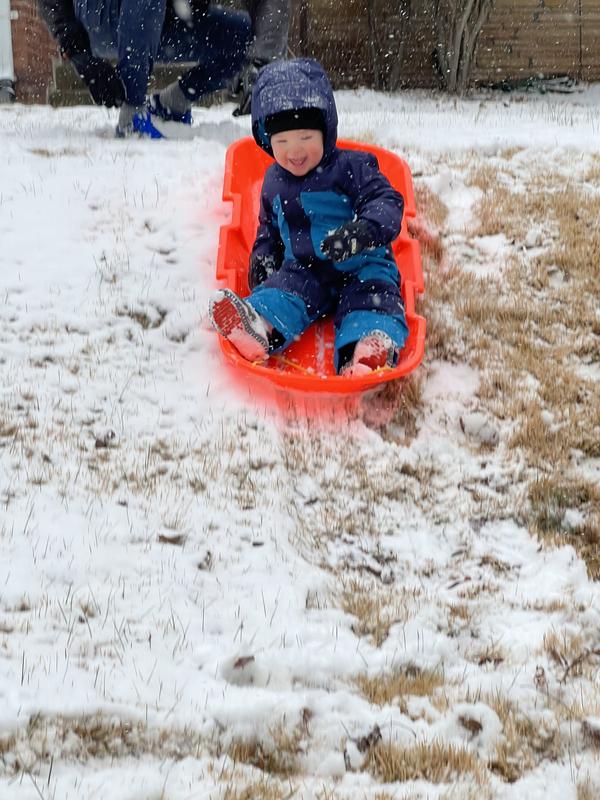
(143, 125)
(158, 122)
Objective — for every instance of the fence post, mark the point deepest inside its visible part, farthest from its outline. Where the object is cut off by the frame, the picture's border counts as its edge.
(7, 69)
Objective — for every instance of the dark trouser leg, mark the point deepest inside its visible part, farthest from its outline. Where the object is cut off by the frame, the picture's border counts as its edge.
(216, 40)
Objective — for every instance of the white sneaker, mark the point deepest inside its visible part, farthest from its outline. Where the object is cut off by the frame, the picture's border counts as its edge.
(374, 351)
(239, 323)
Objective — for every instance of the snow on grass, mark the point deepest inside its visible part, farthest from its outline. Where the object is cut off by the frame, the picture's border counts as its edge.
(203, 593)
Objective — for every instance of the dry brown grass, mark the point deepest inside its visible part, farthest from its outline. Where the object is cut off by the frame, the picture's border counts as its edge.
(491, 654)
(352, 485)
(586, 790)
(107, 737)
(592, 173)
(399, 684)
(385, 796)
(568, 650)
(264, 789)
(332, 793)
(508, 153)
(61, 152)
(526, 742)
(430, 761)
(432, 215)
(564, 647)
(468, 793)
(431, 208)
(348, 489)
(277, 754)
(375, 607)
(553, 606)
(7, 742)
(97, 736)
(532, 331)
(550, 498)
(484, 177)
(397, 405)
(459, 617)
(582, 705)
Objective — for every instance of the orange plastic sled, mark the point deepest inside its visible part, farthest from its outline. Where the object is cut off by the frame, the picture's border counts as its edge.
(307, 364)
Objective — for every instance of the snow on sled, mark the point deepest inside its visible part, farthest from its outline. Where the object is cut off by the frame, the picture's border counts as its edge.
(307, 365)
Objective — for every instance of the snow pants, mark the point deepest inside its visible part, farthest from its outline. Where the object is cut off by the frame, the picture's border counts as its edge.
(362, 301)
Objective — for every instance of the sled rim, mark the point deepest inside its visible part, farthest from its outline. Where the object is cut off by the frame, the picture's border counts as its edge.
(236, 236)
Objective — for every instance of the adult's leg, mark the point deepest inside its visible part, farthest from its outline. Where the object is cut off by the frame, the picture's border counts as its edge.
(215, 40)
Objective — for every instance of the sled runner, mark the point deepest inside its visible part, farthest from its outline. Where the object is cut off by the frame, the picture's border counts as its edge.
(308, 364)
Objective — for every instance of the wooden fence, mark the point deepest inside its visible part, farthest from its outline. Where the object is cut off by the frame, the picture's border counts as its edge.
(522, 39)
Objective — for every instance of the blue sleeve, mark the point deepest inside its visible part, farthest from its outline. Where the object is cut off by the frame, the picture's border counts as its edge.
(268, 245)
(374, 198)
(140, 27)
(268, 249)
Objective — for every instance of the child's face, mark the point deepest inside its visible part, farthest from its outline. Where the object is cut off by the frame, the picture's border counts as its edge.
(298, 151)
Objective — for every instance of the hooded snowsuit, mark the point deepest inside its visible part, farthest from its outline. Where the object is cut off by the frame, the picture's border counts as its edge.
(296, 213)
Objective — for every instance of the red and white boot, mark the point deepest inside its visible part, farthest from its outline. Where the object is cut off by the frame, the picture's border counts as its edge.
(239, 323)
(374, 351)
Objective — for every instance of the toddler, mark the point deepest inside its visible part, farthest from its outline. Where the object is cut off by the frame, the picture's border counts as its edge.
(327, 219)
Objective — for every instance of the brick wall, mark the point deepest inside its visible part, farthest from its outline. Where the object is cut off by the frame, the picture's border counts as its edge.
(522, 39)
(33, 51)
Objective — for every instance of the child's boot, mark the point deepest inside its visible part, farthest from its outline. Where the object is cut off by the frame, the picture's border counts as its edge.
(239, 323)
(374, 351)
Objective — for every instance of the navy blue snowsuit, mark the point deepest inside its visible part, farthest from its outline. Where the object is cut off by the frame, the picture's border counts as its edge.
(296, 213)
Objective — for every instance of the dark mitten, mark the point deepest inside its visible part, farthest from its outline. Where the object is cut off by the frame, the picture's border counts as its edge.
(101, 79)
(349, 239)
(261, 266)
(242, 85)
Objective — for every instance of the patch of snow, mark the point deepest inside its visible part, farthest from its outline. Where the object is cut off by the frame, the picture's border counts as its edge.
(167, 558)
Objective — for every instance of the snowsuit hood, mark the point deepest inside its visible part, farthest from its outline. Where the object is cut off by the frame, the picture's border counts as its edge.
(289, 86)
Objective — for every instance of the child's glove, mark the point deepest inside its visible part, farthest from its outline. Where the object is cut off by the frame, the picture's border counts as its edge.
(101, 79)
(261, 267)
(350, 239)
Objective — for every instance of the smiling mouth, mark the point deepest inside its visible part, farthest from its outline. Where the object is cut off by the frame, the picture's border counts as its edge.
(297, 162)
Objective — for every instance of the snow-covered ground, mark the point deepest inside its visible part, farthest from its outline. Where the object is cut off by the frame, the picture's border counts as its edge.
(174, 549)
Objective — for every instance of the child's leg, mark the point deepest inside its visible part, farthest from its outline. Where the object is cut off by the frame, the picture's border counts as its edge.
(291, 299)
(370, 313)
(274, 315)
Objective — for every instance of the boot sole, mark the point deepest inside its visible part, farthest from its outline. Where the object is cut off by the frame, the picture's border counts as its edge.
(230, 318)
